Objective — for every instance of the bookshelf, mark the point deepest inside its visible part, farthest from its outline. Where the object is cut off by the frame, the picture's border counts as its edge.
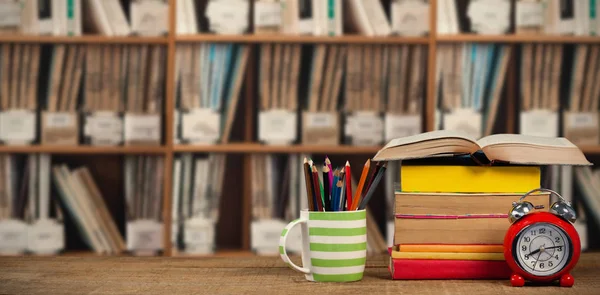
(247, 117)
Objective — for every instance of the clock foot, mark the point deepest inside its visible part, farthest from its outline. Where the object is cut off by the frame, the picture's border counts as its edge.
(517, 281)
(567, 280)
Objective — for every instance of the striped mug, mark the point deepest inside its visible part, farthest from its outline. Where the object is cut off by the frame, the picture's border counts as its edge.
(334, 245)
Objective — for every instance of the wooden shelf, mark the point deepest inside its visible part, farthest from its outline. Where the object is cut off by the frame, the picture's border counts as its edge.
(517, 38)
(27, 149)
(354, 39)
(262, 148)
(88, 39)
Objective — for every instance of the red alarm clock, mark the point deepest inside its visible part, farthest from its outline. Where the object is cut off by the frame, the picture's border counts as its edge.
(542, 247)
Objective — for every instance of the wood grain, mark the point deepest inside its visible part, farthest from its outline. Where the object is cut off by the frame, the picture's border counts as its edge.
(239, 275)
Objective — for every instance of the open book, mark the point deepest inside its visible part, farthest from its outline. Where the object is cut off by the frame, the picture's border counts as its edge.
(510, 148)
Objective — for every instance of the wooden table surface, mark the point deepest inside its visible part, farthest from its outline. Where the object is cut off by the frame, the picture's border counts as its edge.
(237, 275)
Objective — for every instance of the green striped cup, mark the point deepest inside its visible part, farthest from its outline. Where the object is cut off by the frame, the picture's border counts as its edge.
(334, 245)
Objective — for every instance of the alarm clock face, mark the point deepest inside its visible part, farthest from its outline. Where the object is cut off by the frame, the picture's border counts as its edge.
(542, 249)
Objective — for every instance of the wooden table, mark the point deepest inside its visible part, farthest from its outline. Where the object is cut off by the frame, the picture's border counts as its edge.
(237, 275)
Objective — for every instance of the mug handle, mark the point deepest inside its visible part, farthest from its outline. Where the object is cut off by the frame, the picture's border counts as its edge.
(282, 250)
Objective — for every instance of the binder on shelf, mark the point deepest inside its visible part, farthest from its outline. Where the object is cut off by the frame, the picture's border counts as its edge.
(211, 77)
(580, 119)
(198, 184)
(46, 231)
(320, 119)
(143, 199)
(20, 67)
(363, 93)
(404, 90)
(15, 183)
(278, 92)
(469, 82)
(59, 118)
(275, 200)
(540, 73)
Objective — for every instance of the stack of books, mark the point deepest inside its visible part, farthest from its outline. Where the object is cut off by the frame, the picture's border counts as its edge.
(450, 215)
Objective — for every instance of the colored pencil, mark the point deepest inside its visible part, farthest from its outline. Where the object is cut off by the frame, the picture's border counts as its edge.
(316, 185)
(334, 191)
(340, 195)
(348, 186)
(361, 184)
(309, 186)
(369, 194)
(328, 163)
(315, 195)
(371, 177)
(327, 185)
(343, 191)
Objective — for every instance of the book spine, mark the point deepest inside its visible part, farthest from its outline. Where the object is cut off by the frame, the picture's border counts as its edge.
(409, 269)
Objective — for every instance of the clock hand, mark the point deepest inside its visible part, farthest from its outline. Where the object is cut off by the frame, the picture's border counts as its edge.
(540, 249)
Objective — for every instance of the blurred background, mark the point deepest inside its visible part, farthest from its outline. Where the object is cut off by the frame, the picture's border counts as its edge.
(179, 128)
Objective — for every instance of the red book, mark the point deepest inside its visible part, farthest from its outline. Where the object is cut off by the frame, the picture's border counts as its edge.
(416, 269)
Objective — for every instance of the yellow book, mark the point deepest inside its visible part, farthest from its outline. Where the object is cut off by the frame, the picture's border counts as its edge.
(447, 255)
(469, 179)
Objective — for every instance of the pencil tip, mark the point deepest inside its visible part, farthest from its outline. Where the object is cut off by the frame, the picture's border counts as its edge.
(305, 160)
(347, 163)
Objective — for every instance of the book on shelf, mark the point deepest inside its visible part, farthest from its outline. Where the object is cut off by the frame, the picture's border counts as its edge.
(469, 84)
(197, 190)
(209, 82)
(83, 201)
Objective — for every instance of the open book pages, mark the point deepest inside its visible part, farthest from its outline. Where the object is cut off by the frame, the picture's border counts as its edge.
(510, 148)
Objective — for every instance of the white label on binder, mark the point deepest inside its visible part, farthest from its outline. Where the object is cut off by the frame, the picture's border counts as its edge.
(228, 17)
(267, 14)
(10, 13)
(581, 128)
(390, 231)
(142, 127)
(365, 128)
(464, 120)
(59, 120)
(401, 125)
(277, 126)
(144, 235)
(17, 126)
(104, 127)
(489, 16)
(320, 120)
(529, 14)
(539, 123)
(410, 18)
(201, 125)
(199, 235)
(265, 234)
(13, 236)
(46, 236)
(149, 18)
(582, 120)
